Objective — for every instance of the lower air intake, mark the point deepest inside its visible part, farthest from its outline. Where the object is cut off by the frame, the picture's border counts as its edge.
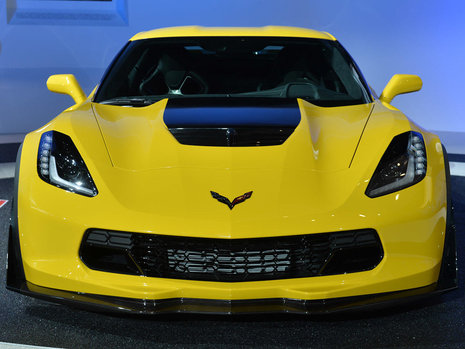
(231, 260)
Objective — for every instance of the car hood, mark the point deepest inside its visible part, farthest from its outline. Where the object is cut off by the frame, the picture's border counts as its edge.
(324, 139)
(154, 183)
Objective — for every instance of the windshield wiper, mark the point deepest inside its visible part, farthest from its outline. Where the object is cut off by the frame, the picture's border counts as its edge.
(132, 101)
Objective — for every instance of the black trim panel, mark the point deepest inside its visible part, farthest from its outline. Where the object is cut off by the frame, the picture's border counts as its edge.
(15, 271)
(448, 273)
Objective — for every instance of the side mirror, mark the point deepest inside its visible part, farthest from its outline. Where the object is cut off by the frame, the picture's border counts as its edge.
(68, 85)
(400, 83)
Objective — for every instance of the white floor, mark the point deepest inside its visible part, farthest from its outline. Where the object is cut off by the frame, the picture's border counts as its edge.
(457, 168)
(7, 170)
(4, 345)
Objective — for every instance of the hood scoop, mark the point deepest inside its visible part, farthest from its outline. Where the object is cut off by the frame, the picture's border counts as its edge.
(142, 139)
(231, 136)
(231, 122)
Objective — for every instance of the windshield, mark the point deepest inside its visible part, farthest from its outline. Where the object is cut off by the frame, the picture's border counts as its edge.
(319, 71)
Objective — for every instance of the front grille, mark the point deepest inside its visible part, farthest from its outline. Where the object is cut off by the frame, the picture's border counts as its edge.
(231, 260)
(231, 136)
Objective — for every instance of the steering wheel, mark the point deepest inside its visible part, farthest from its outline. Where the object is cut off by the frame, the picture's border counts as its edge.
(187, 83)
(178, 82)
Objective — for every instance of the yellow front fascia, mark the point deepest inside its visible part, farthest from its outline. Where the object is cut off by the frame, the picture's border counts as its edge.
(176, 201)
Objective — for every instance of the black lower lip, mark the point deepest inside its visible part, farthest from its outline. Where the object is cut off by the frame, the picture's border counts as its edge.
(224, 307)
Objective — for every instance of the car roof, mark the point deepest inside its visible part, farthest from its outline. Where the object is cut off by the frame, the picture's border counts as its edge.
(191, 31)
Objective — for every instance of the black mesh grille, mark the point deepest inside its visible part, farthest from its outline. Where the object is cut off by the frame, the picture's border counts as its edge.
(231, 260)
(231, 136)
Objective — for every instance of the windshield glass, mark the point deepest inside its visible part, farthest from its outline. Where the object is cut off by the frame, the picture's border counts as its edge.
(319, 71)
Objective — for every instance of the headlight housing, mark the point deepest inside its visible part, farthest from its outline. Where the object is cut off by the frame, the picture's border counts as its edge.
(402, 165)
(60, 164)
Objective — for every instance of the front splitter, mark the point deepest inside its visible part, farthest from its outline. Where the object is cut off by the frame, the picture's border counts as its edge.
(214, 306)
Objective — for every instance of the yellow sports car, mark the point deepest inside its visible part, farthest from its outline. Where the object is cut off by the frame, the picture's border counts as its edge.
(231, 170)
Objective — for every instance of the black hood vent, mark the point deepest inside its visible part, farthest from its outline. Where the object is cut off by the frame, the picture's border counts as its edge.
(232, 136)
(231, 122)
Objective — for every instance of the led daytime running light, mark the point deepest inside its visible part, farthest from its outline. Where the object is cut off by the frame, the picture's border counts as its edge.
(402, 165)
(60, 164)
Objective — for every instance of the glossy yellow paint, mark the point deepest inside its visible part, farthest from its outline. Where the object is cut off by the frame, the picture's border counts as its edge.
(66, 84)
(313, 183)
(189, 31)
(134, 137)
(399, 84)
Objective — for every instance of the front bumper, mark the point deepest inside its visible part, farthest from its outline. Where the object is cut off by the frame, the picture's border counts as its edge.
(17, 282)
(420, 260)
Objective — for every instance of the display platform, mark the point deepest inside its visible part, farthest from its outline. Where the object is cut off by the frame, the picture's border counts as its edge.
(436, 322)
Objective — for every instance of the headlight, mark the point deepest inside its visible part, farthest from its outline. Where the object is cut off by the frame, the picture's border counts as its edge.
(402, 165)
(59, 163)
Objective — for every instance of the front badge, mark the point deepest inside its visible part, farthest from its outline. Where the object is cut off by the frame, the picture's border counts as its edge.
(230, 204)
